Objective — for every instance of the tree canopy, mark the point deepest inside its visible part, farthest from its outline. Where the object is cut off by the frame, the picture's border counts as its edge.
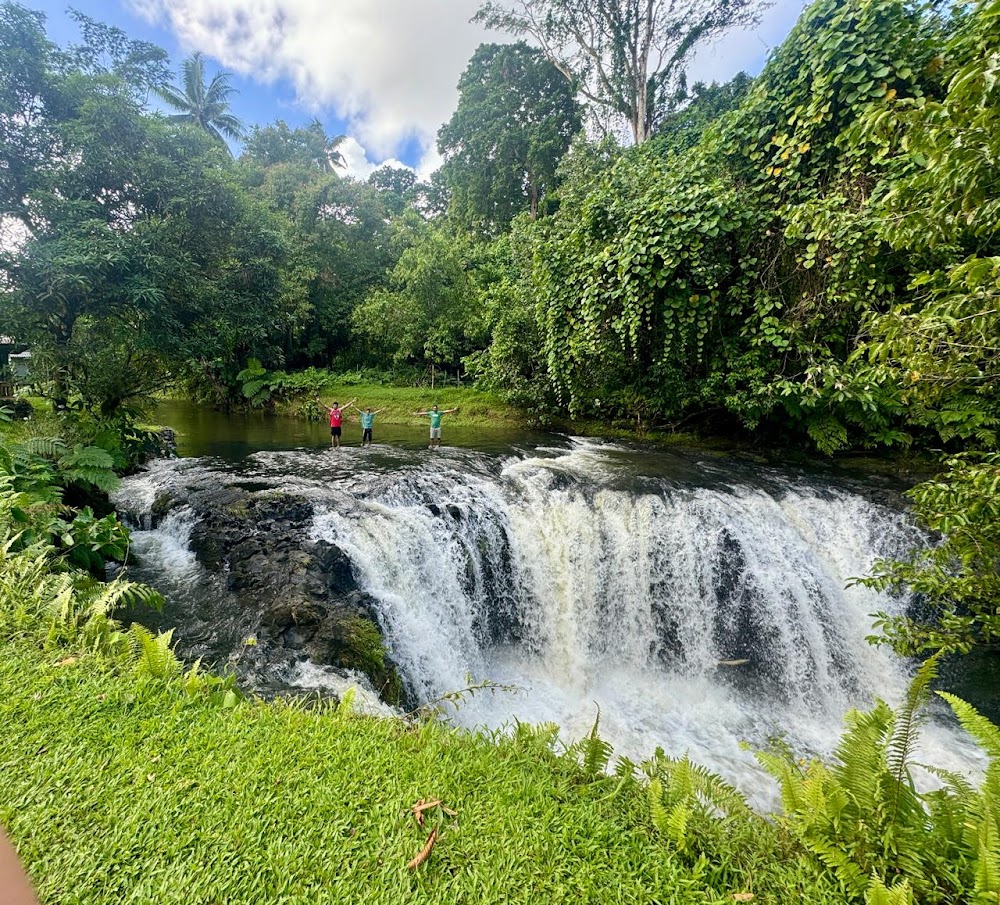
(627, 57)
(515, 118)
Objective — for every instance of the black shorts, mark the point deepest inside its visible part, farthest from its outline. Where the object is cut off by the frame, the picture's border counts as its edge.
(334, 431)
(366, 434)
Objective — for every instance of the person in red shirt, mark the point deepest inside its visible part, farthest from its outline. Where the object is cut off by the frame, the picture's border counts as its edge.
(336, 419)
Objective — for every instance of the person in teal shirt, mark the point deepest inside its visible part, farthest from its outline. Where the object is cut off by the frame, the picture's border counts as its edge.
(435, 415)
(367, 423)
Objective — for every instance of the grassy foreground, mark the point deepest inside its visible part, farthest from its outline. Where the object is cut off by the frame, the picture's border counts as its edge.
(118, 788)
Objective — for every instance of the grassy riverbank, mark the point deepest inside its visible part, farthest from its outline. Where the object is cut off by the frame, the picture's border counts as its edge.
(118, 788)
(475, 408)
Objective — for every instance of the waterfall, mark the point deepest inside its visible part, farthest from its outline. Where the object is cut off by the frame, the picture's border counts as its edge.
(696, 607)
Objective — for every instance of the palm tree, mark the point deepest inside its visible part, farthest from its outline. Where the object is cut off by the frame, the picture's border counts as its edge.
(334, 158)
(201, 105)
(324, 149)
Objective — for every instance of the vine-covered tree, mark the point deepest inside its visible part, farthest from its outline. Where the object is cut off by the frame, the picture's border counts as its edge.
(515, 119)
(625, 56)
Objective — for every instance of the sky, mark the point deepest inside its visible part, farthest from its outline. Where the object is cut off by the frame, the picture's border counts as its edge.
(382, 72)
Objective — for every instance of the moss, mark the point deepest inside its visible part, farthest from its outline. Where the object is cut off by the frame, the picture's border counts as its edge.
(364, 651)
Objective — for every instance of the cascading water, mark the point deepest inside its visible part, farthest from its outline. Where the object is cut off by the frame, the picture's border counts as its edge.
(697, 607)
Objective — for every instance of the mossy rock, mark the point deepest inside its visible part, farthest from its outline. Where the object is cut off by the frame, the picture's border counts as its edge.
(364, 651)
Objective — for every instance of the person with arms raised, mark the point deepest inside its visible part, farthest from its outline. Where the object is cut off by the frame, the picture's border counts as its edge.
(367, 423)
(336, 420)
(435, 415)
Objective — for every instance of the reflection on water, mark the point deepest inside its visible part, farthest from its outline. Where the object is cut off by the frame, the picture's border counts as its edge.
(203, 431)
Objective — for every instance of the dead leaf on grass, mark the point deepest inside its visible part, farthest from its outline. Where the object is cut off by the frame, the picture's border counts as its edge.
(425, 852)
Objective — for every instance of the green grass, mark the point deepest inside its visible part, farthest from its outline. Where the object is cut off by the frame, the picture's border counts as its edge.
(119, 789)
(476, 408)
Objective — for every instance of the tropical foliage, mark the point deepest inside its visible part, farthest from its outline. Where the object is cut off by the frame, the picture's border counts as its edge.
(808, 257)
(201, 105)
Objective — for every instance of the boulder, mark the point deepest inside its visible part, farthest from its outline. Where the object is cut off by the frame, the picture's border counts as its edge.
(295, 596)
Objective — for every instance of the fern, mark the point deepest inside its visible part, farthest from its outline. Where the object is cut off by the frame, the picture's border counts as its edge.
(541, 737)
(988, 861)
(879, 894)
(156, 658)
(87, 457)
(657, 812)
(828, 433)
(595, 751)
(986, 734)
(345, 706)
(862, 816)
(47, 447)
(907, 720)
(90, 465)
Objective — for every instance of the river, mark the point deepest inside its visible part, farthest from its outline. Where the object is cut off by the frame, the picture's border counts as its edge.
(697, 600)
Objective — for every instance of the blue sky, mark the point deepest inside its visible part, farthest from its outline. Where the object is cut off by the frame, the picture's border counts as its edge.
(383, 72)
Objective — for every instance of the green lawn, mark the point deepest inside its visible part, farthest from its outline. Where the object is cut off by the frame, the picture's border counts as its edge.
(476, 409)
(119, 789)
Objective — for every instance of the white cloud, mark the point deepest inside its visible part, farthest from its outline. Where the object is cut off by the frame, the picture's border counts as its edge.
(390, 68)
(357, 163)
(429, 163)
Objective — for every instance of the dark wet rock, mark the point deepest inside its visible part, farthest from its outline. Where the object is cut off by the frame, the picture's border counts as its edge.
(283, 596)
(162, 506)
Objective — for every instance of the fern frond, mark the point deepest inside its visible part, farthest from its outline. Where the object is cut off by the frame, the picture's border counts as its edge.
(841, 863)
(677, 823)
(907, 720)
(46, 447)
(625, 768)
(345, 706)
(879, 894)
(861, 753)
(782, 768)
(87, 457)
(595, 750)
(986, 734)
(956, 784)
(657, 812)
(988, 861)
(156, 658)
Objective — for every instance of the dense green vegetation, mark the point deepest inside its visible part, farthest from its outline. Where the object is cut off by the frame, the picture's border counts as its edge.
(807, 257)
